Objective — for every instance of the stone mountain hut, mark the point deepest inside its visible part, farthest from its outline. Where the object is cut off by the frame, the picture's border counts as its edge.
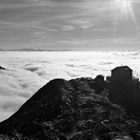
(121, 74)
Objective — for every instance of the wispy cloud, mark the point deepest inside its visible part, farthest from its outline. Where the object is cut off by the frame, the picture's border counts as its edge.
(67, 27)
(71, 42)
(40, 36)
(82, 23)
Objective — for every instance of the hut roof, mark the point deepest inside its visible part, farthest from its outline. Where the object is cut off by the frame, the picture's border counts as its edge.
(126, 68)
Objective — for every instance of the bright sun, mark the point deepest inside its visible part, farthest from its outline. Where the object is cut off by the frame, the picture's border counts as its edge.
(125, 7)
(123, 12)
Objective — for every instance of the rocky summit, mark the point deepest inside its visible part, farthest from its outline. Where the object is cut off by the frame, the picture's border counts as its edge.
(77, 109)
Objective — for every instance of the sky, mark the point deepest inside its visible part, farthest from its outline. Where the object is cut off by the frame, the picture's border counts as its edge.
(70, 24)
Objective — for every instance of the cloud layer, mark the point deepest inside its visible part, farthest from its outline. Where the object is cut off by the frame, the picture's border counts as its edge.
(26, 72)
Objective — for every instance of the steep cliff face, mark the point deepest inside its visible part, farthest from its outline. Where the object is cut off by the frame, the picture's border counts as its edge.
(70, 110)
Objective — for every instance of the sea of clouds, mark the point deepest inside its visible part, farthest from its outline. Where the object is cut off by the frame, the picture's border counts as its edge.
(26, 72)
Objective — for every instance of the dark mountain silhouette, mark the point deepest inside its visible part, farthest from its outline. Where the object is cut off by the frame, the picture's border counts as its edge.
(78, 109)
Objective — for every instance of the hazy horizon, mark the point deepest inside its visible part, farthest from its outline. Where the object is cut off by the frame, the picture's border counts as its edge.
(67, 50)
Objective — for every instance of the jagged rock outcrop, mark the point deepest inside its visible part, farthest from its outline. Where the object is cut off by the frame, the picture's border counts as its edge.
(2, 68)
(70, 110)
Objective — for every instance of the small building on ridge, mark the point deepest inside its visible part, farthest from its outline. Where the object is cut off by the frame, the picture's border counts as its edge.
(121, 74)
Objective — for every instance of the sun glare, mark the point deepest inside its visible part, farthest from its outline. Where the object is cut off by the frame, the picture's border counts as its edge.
(123, 11)
(124, 8)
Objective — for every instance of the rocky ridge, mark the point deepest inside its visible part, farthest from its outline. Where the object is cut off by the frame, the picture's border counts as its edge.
(77, 109)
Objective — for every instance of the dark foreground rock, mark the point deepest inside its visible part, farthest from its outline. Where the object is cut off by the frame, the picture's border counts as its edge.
(70, 110)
